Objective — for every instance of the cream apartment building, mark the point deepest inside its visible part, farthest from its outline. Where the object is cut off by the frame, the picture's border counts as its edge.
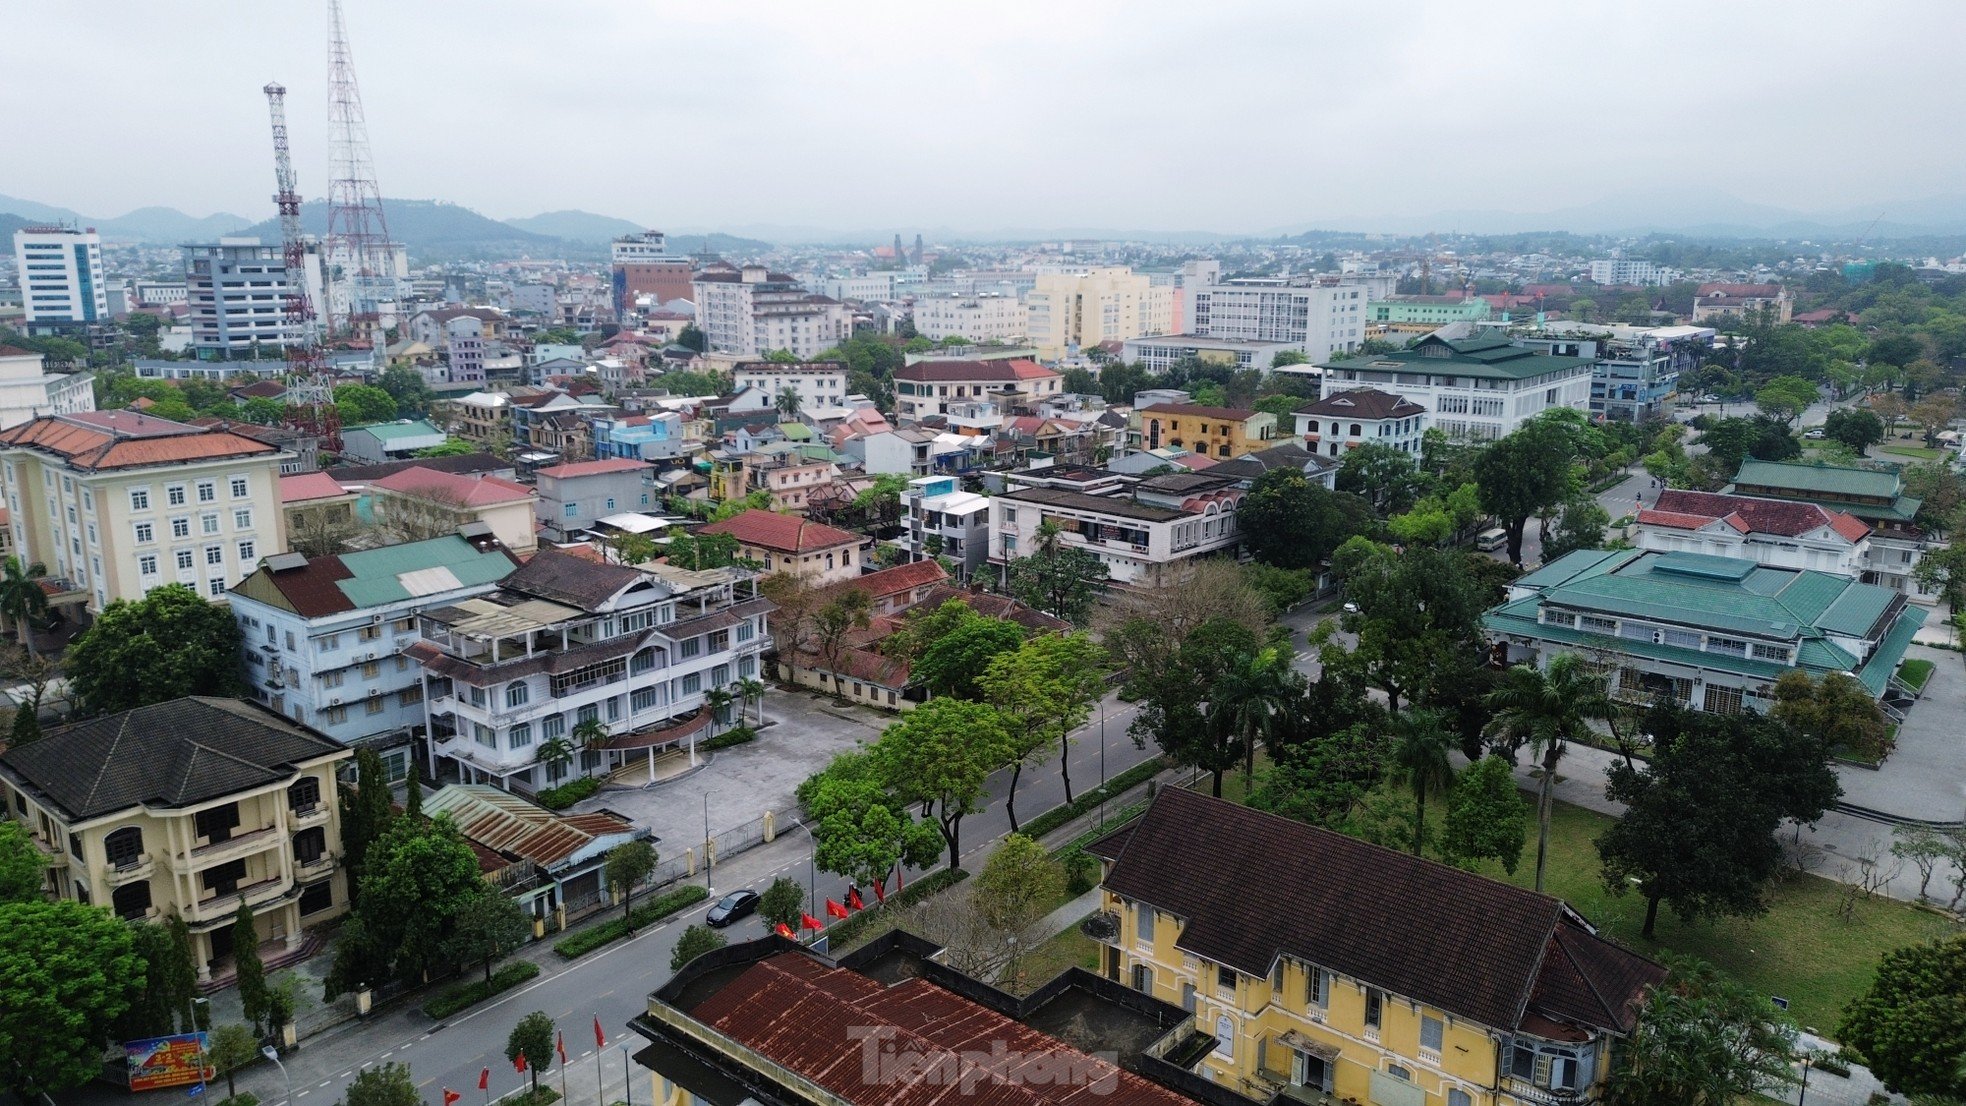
(115, 503)
(1081, 308)
(188, 808)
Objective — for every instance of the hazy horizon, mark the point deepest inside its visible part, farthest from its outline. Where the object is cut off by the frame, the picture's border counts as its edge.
(1238, 118)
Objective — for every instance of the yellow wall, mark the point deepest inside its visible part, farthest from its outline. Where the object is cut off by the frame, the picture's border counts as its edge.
(1212, 437)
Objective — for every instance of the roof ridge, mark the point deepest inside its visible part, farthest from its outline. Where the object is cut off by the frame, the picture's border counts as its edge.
(1536, 969)
(1589, 983)
(108, 759)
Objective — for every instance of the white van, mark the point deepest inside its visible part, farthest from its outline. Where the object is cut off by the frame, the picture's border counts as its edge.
(1490, 540)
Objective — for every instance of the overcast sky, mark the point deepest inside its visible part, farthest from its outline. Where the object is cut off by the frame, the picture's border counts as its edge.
(1216, 115)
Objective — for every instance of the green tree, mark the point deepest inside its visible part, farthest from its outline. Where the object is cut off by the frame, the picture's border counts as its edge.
(781, 357)
(23, 874)
(408, 388)
(1910, 1026)
(1045, 689)
(699, 552)
(782, 903)
(955, 662)
(1485, 816)
(1322, 780)
(1785, 397)
(1417, 622)
(1018, 884)
(1178, 705)
(692, 338)
(1855, 427)
(1701, 1039)
(861, 829)
(627, 867)
(22, 601)
(363, 404)
(1420, 754)
(231, 1048)
(169, 644)
(1291, 522)
(835, 619)
(385, 1084)
(694, 942)
(533, 1039)
(67, 973)
(1836, 710)
(937, 757)
(1383, 476)
(366, 812)
(1523, 475)
(1547, 708)
(1580, 526)
(789, 404)
(261, 411)
(417, 879)
(1061, 580)
(488, 928)
(169, 980)
(1698, 830)
(452, 447)
(249, 972)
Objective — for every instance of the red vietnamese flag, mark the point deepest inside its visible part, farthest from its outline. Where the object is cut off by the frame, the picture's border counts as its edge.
(560, 1046)
(484, 1080)
(784, 931)
(807, 921)
(450, 1096)
(880, 890)
(600, 1039)
(835, 909)
(853, 899)
(520, 1063)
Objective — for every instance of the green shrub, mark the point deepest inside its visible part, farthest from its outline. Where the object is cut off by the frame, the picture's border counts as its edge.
(1830, 1062)
(244, 1098)
(846, 929)
(1115, 787)
(569, 793)
(1081, 871)
(593, 937)
(474, 992)
(736, 735)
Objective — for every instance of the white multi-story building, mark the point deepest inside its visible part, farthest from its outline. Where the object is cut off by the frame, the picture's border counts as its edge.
(1077, 308)
(929, 387)
(752, 311)
(1322, 320)
(1147, 539)
(648, 247)
(159, 293)
(1474, 389)
(984, 317)
(566, 641)
(868, 286)
(28, 389)
(1777, 532)
(1347, 420)
(61, 278)
(1160, 354)
(237, 292)
(820, 384)
(945, 521)
(1619, 270)
(323, 637)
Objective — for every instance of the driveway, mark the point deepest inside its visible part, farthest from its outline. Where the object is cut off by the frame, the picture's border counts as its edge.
(805, 730)
(1925, 777)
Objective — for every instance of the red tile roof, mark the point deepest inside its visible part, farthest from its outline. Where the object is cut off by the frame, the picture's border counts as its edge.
(593, 468)
(893, 581)
(1739, 291)
(309, 485)
(815, 1020)
(466, 491)
(781, 533)
(99, 440)
(16, 351)
(1749, 515)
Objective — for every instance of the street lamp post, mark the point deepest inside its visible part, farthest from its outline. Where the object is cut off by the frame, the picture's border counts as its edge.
(812, 864)
(1102, 759)
(273, 1054)
(709, 855)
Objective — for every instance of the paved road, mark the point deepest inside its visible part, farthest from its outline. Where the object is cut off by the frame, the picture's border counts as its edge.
(614, 983)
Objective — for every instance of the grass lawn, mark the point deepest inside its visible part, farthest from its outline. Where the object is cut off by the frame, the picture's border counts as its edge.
(1915, 672)
(1065, 950)
(1916, 451)
(1800, 949)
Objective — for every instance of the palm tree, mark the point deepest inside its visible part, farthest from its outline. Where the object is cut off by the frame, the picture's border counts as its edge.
(590, 735)
(555, 753)
(1546, 708)
(790, 403)
(21, 598)
(1421, 757)
(717, 700)
(753, 691)
(1252, 700)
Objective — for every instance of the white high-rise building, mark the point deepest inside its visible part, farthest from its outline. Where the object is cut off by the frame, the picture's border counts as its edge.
(984, 317)
(752, 311)
(237, 291)
(1070, 309)
(1619, 270)
(1321, 319)
(61, 278)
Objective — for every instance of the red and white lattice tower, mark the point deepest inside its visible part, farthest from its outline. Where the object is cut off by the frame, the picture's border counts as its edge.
(310, 386)
(358, 235)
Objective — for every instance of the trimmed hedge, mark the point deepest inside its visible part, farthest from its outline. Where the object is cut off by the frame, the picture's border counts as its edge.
(1115, 818)
(569, 793)
(1118, 785)
(846, 929)
(587, 940)
(736, 735)
(470, 994)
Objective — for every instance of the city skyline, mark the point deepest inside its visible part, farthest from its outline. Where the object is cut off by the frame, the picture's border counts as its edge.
(1244, 118)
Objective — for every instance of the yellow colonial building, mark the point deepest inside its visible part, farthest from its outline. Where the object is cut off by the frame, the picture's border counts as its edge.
(188, 808)
(1219, 433)
(1328, 969)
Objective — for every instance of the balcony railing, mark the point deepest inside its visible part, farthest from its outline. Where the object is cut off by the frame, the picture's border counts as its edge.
(312, 814)
(1527, 1091)
(223, 906)
(129, 871)
(239, 844)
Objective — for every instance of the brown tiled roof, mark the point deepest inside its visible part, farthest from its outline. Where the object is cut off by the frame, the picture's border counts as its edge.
(813, 1020)
(101, 440)
(1471, 946)
(1200, 411)
(476, 490)
(464, 463)
(891, 581)
(1363, 403)
(591, 468)
(576, 581)
(16, 351)
(781, 533)
(996, 606)
(985, 371)
(1750, 514)
(303, 486)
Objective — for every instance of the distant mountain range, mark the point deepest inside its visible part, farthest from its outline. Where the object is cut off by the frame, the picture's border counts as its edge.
(576, 226)
(163, 225)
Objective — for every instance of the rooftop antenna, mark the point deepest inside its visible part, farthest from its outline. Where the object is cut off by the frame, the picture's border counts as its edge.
(358, 235)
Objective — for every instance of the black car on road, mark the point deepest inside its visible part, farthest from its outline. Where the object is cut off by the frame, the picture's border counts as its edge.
(733, 907)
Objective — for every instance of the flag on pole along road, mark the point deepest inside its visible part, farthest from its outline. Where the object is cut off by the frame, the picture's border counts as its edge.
(484, 1080)
(835, 909)
(853, 899)
(450, 1096)
(807, 921)
(560, 1046)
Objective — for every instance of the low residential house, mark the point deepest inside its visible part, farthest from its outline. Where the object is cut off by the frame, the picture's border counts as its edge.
(790, 543)
(1779, 532)
(1346, 420)
(943, 520)
(791, 478)
(423, 502)
(1246, 468)
(1148, 538)
(323, 637)
(550, 864)
(1329, 980)
(188, 808)
(1704, 632)
(929, 387)
(303, 447)
(573, 497)
(567, 641)
(652, 436)
(390, 441)
(1721, 300)
(1877, 496)
(317, 506)
(483, 418)
(1218, 432)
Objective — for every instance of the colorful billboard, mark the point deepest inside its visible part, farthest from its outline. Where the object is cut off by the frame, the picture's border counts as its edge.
(166, 1061)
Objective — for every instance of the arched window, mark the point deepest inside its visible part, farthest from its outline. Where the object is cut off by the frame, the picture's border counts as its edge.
(132, 900)
(304, 793)
(125, 847)
(1458, 1097)
(641, 662)
(1225, 1036)
(1356, 432)
(516, 694)
(310, 844)
(1398, 1072)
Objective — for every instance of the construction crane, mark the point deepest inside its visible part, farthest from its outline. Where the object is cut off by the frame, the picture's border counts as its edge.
(358, 235)
(310, 386)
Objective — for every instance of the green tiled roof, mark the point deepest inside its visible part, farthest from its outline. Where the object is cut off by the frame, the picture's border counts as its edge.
(1486, 358)
(1831, 479)
(397, 572)
(391, 431)
(1885, 659)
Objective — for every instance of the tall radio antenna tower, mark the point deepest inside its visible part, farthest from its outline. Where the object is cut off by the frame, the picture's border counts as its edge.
(358, 235)
(310, 389)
